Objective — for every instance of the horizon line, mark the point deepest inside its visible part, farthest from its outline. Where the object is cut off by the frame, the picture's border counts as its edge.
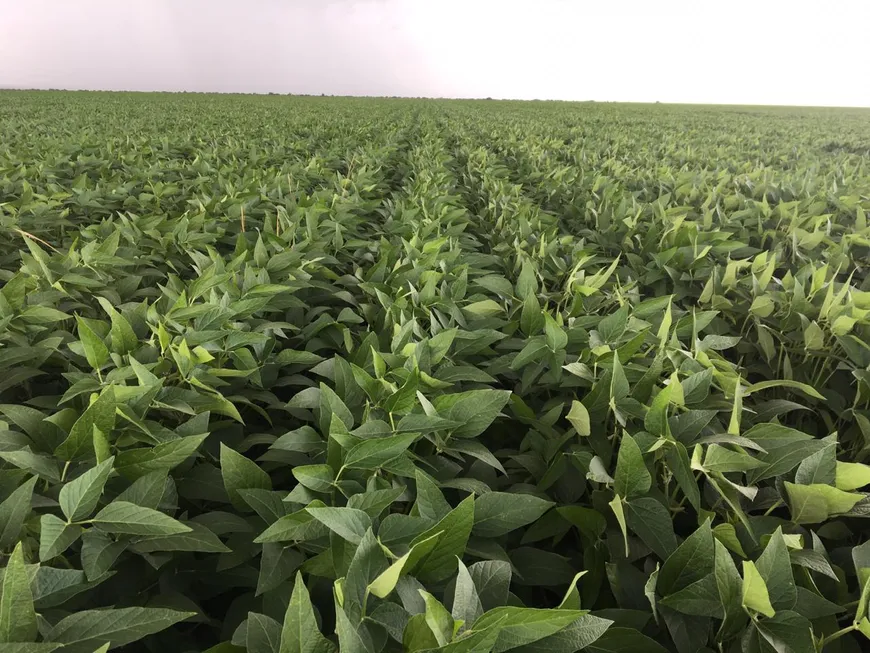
(423, 97)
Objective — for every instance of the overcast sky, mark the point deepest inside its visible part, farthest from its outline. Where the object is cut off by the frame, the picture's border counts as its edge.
(718, 51)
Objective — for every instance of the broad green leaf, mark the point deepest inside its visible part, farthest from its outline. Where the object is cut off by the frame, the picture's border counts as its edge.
(135, 463)
(95, 349)
(522, 626)
(492, 579)
(498, 513)
(632, 478)
(475, 410)
(619, 511)
(579, 418)
(788, 631)
(803, 387)
(852, 476)
(17, 616)
(241, 473)
(466, 601)
(755, 594)
(455, 529)
(651, 521)
(721, 459)
(300, 526)
(812, 504)
(263, 634)
(700, 598)
(13, 512)
(299, 633)
(55, 536)
(371, 454)
(348, 523)
(129, 519)
(417, 636)
(774, 565)
(438, 619)
(579, 634)
(318, 478)
(692, 561)
(198, 538)
(385, 583)
(78, 498)
(86, 630)
(100, 415)
(99, 552)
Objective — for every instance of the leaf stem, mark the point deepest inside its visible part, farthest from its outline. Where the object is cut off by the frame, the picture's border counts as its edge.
(837, 635)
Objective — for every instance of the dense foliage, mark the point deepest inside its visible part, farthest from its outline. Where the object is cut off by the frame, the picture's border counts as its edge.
(297, 375)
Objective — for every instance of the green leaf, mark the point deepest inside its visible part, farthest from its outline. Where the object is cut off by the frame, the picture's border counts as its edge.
(78, 498)
(300, 526)
(241, 473)
(788, 631)
(579, 418)
(99, 552)
(351, 639)
(386, 582)
(498, 513)
(466, 602)
(130, 519)
(796, 385)
(136, 463)
(774, 565)
(100, 415)
(813, 504)
(579, 634)
(700, 598)
(13, 512)
(851, 476)
(348, 523)
(556, 338)
(263, 634)
(720, 459)
(814, 337)
(438, 619)
(632, 478)
(492, 579)
(198, 538)
(475, 410)
(277, 564)
(318, 478)
(534, 351)
(417, 636)
(123, 337)
(613, 326)
(17, 616)
(95, 349)
(730, 587)
(678, 460)
(755, 595)
(455, 529)
(820, 467)
(619, 511)
(55, 536)
(652, 523)
(522, 626)
(373, 453)
(692, 561)
(299, 632)
(86, 630)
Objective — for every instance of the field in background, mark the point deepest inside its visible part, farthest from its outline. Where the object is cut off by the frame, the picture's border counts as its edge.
(271, 365)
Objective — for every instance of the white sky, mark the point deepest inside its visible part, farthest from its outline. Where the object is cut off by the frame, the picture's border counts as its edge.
(811, 52)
